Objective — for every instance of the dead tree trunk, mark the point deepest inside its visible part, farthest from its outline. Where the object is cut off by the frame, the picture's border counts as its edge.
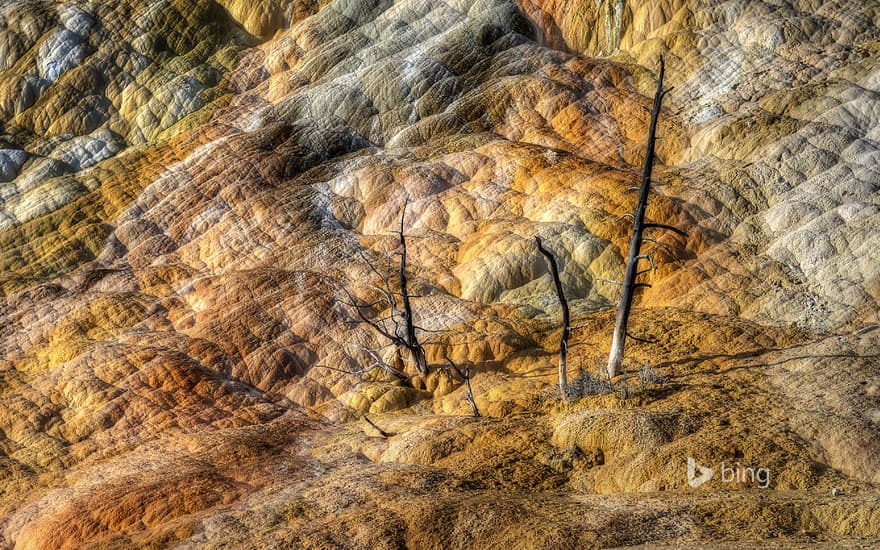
(566, 320)
(417, 352)
(470, 391)
(615, 357)
(398, 327)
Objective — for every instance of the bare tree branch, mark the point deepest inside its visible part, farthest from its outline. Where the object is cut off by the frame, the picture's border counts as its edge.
(650, 261)
(382, 432)
(423, 329)
(467, 382)
(637, 339)
(376, 326)
(664, 226)
(369, 264)
(378, 362)
(668, 249)
(344, 371)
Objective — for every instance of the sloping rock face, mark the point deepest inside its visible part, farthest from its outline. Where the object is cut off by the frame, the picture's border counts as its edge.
(777, 101)
(192, 191)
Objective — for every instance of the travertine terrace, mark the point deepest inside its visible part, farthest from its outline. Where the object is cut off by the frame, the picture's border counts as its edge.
(189, 188)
